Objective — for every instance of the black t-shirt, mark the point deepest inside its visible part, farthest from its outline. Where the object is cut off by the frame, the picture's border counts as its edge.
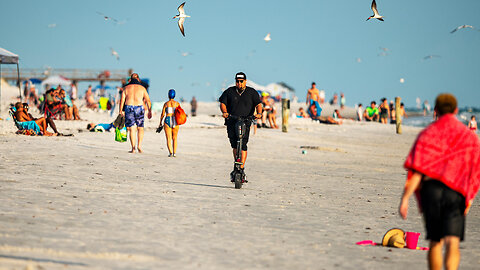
(240, 105)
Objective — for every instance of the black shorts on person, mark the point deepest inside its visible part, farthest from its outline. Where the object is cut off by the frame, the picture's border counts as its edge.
(443, 210)
(232, 135)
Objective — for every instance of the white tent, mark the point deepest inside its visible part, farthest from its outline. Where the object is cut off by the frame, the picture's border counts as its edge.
(7, 57)
(56, 80)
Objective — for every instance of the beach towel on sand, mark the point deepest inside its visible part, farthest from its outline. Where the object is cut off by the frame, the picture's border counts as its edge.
(30, 125)
(447, 151)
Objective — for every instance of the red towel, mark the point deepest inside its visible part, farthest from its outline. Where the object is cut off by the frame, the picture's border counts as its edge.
(447, 151)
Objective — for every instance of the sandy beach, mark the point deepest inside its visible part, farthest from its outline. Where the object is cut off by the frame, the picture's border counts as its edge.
(83, 202)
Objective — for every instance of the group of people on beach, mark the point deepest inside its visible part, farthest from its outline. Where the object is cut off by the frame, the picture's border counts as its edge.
(443, 164)
(385, 113)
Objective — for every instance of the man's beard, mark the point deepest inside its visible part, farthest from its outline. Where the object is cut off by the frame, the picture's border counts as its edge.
(241, 89)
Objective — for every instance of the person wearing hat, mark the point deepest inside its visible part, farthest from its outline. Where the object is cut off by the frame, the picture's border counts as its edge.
(132, 106)
(444, 172)
(169, 124)
(241, 101)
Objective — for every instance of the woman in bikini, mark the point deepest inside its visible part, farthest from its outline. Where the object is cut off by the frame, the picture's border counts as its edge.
(169, 124)
(384, 111)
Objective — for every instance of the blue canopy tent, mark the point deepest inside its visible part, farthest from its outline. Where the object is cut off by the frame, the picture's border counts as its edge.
(7, 57)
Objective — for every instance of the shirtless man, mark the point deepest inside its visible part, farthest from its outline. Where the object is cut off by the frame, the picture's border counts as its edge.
(22, 116)
(313, 97)
(90, 101)
(313, 94)
(49, 120)
(133, 98)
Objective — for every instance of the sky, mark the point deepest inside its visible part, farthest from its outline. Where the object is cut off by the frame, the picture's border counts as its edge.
(329, 42)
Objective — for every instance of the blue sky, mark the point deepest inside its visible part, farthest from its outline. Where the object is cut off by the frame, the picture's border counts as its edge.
(311, 41)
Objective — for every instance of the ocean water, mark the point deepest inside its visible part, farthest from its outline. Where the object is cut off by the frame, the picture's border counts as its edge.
(422, 121)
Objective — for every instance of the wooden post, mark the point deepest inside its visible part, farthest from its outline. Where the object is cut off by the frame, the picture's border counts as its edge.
(398, 117)
(285, 113)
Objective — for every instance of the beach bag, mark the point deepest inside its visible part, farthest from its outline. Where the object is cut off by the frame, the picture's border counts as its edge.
(180, 116)
(121, 134)
(119, 121)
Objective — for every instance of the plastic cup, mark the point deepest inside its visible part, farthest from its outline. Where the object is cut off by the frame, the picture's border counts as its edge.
(411, 239)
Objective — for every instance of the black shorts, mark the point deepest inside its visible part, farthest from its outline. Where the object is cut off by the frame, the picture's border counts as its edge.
(443, 210)
(232, 135)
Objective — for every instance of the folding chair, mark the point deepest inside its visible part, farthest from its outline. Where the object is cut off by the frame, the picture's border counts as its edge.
(33, 128)
(54, 112)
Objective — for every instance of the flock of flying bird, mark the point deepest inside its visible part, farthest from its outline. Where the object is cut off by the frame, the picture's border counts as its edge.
(181, 16)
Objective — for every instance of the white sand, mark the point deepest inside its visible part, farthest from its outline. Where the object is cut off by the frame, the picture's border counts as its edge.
(83, 202)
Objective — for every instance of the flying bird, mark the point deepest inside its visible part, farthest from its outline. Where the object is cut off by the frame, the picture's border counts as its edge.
(114, 53)
(185, 54)
(267, 38)
(461, 27)
(106, 18)
(53, 25)
(431, 56)
(375, 12)
(181, 17)
(384, 51)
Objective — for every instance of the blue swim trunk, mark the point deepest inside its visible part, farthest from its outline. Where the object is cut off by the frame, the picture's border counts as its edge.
(319, 109)
(134, 115)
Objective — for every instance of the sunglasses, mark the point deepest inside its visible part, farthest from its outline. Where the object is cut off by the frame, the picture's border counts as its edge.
(239, 81)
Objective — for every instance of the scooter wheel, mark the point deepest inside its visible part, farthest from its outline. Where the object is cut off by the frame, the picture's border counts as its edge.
(238, 180)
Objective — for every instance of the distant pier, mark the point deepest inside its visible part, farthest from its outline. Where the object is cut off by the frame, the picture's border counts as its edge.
(78, 75)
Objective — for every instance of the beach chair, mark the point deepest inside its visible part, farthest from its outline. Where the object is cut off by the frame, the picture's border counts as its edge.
(55, 112)
(31, 128)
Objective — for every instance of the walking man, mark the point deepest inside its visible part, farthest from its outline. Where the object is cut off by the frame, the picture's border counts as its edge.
(444, 172)
(132, 102)
(313, 97)
(241, 101)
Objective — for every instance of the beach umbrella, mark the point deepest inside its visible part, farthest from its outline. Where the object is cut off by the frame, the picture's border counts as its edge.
(7, 57)
(56, 80)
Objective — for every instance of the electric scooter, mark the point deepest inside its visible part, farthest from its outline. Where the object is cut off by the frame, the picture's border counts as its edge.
(238, 176)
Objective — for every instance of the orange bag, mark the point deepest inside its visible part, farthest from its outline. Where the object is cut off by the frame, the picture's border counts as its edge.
(180, 116)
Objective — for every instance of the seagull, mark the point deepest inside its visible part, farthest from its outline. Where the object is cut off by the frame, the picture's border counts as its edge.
(384, 51)
(106, 17)
(185, 54)
(114, 53)
(461, 27)
(375, 12)
(267, 38)
(181, 17)
(430, 57)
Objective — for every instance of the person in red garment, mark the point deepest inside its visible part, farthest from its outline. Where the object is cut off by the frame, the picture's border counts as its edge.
(444, 172)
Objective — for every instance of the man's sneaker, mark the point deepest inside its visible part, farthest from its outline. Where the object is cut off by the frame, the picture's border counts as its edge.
(244, 180)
